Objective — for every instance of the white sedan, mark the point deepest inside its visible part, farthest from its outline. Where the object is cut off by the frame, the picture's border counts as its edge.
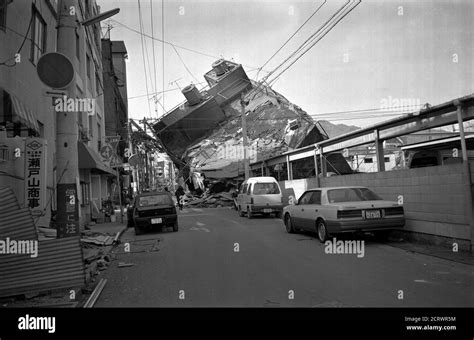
(342, 209)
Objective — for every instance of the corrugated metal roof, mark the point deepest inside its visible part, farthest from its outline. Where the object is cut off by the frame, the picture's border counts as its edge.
(18, 225)
(15, 222)
(59, 265)
(59, 262)
(7, 200)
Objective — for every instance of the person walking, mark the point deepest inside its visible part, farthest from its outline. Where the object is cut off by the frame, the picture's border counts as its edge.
(179, 196)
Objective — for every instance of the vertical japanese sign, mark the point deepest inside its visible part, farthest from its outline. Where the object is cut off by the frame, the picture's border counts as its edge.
(113, 141)
(35, 175)
(67, 196)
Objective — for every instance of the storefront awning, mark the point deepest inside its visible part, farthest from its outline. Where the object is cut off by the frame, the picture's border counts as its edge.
(88, 159)
(14, 111)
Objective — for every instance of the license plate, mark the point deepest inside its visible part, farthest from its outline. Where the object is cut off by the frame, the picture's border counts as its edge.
(267, 210)
(370, 214)
(156, 220)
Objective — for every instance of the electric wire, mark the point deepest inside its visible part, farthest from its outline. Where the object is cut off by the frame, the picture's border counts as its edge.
(143, 58)
(291, 37)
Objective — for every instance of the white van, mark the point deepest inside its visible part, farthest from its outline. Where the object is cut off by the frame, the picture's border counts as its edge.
(260, 195)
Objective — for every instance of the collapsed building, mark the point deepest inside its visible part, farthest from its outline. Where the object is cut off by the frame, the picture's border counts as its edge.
(206, 130)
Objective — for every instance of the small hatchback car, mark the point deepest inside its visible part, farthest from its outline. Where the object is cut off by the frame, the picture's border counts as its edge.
(153, 210)
(260, 195)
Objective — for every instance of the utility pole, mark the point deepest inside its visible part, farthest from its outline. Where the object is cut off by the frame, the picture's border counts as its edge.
(67, 158)
(67, 155)
(147, 169)
(244, 136)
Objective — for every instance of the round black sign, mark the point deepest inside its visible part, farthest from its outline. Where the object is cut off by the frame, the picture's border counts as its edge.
(55, 70)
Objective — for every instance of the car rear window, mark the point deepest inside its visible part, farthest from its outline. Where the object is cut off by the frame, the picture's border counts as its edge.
(265, 189)
(352, 195)
(147, 201)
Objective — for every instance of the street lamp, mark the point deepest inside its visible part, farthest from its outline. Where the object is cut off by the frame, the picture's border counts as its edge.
(100, 17)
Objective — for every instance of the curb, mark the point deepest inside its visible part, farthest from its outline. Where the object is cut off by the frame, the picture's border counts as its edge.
(119, 235)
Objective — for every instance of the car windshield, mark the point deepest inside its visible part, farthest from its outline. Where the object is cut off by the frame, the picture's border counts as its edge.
(265, 189)
(147, 201)
(352, 195)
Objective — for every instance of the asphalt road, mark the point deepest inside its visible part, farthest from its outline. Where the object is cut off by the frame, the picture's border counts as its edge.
(218, 259)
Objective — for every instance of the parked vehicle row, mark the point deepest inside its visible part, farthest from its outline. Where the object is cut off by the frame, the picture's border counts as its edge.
(326, 211)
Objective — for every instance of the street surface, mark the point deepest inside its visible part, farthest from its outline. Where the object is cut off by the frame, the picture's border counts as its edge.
(218, 259)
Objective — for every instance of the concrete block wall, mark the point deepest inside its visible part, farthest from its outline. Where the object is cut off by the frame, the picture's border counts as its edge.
(435, 199)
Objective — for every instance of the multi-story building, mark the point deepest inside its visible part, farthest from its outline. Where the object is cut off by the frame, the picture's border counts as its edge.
(114, 55)
(29, 29)
(95, 176)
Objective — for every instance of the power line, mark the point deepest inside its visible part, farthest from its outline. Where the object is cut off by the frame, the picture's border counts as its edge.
(291, 37)
(163, 50)
(391, 108)
(308, 40)
(184, 64)
(178, 46)
(153, 42)
(143, 57)
(25, 37)
(159, 92)
(343, 14)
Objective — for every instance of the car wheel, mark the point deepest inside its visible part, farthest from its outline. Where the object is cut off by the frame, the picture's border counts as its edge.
(241, 213)
(249, 213)
(289, 225)
(138, 230)
(323, 234)
(175, 227)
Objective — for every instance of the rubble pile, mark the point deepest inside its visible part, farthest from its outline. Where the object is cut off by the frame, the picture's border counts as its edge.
(208, 200)
(96, 248)
(218, 194)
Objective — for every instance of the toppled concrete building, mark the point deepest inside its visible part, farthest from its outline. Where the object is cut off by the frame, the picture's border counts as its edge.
(206, 130)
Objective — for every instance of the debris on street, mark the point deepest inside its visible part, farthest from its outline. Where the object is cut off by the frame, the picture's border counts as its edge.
(123, 264)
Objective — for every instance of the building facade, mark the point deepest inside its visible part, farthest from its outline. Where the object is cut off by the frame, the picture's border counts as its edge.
(28, 30)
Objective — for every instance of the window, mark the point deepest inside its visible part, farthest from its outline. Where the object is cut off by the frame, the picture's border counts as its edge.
(315, 198)
(90, 127)
(97, 84)
(386, 159)
(99, 137)
(89, 66)
(352, 195)
(244, 189)
(248, 188)
(265, 189)
(368, 160)
(78, 47)
(305, 198)
(38, 36)
(3, 14)
(85, 193)
(147, 201)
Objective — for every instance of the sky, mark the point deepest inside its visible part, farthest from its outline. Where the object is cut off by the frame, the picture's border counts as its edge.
(383, 53)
